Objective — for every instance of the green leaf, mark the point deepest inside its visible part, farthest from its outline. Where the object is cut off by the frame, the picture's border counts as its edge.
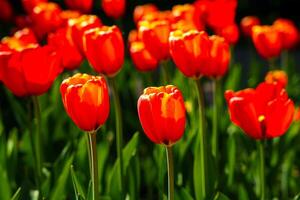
(197, 177)
(297, 197)
(221, 196)
(128, 152)
(183, 194)
(5, 190)
(231, 144)
(17, 194)
(76, 185)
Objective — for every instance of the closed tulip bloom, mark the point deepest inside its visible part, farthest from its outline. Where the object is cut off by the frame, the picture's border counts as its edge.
(262, 113)
(28, 5)
(247, 23)
(162, 114)
(86, 100)
(267, 41)
(114, 8)
(141, 57)
(288, 32)
(79, 25)
(62, 41)
(83, 6)
(277, 76)
(142, 10)
(190, 51)
(104, 49)
(155, 36)
(230, 33)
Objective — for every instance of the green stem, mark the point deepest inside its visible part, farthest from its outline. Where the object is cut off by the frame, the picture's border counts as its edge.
(37, 150)
(202, 139)
(285, 60)
(272, 63)
(119, 133)
(262, 169)
(170, 173)
(93, 163)
(164, 71)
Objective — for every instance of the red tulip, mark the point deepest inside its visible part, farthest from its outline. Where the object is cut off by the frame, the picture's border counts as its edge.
(288, 32)
(104, 49)
(162, 114)
(30, 4)
(142, 10)
(79, 25)
(6, 13)
(247, 23)
(267, 41)
(62, 41)
(230, 33)
(114, 8)
(277, 76)
(86, 100)
(20, 39)
(262, 113)
(158, 16)
(155, 36)
(190, 51)
(66, 15)
(83, 6)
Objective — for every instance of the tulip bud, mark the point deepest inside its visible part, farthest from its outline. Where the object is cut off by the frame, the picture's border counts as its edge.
(114, 8)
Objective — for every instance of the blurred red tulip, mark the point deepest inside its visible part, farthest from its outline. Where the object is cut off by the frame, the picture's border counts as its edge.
(162, 114)
(114, 8)
(79, 25)
(230, 33)
(155, 36)
(28, 5)
(104, 49)
(278, 76)
(158, 16)
(86, 100)
(288, 32)
(66, 15)
(83, 6)
(267, 41)
(262, 113)
(62, 41)
(142, 10)
(183, 25)
(133, 36)
(247, 23)
(6, 13)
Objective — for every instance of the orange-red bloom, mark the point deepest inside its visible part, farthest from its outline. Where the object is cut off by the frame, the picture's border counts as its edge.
(6, 13)
(86, 100)
(262, 113)
(247, 23)
(83, 6)
(230, 33)
(155, 36)
(162, 114)
(79, 25)
(142, 10)
(62, 41)
(104, 49)
(30, 4)
(114, 8)
(278, 76)
(66, 15)
(141, 57)
(267, 41)
(288, 32)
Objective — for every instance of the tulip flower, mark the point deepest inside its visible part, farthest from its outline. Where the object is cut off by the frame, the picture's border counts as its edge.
(267, 41)
(30, 4)
(161, 112)
(6, 13)
(288, 32)
(20, 39)
(113, 8)
(142, 10)
(277, 76)
(62, 41)
(83, 6)
(155, 36)
(133, 36)
(79, 25)
(66, 15)
(230, 33)
(86, 100)
(247, 23)
(104, 49)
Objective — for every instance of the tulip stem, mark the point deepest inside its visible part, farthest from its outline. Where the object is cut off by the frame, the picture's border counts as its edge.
(93, 163)
(170, 173)
(272, 63)
(164, 71)
(202, 139)
(37, 150)
(285, 60)
(119, 133)
(262, 169)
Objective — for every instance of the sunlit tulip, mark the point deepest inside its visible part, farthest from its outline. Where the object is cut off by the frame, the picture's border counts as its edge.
(79, 25)
(30, 4)
(155, 36)
(104, 49)
(267, 41)
(162, 114)
(20, 39)
(62, 41)
(83, 6)
(66, 15)
(262, 113)
(230, 33)
(114, 8)
(142, 10)
(288, 32)
(86, 100)
(278, 76)
(247, 23)
(6, 13)
(158, 16)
